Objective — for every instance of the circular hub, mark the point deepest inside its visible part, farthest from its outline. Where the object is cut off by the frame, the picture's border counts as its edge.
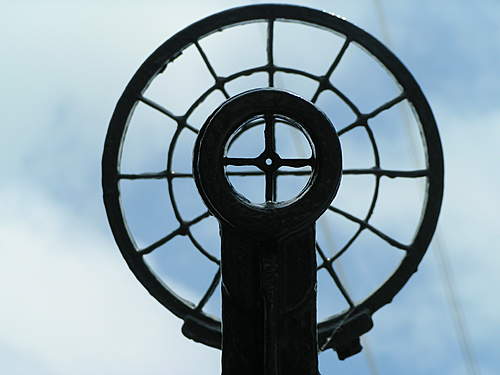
(271, 107)
(270, 162)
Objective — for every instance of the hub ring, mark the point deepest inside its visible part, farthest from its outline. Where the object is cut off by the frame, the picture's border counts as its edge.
(218, 194)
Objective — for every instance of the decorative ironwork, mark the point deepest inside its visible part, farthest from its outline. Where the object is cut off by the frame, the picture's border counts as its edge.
(336, 330)
(269, 161)
(268, 249)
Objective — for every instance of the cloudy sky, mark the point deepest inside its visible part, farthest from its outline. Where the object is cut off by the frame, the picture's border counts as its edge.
(70, 305)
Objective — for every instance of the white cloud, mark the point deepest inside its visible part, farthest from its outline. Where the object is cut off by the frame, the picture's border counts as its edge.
(70, 304)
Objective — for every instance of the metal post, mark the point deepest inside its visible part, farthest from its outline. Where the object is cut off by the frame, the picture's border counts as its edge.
(268, 250)
(259, 239)
(269, 303)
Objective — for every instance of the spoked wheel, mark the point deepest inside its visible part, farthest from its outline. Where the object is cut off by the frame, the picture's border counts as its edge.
(199, 324)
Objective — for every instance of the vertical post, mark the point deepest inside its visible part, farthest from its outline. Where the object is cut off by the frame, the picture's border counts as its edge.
(269, 303)
(268, 260)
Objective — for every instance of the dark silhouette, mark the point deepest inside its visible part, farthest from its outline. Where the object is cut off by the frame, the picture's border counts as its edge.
(268, 262)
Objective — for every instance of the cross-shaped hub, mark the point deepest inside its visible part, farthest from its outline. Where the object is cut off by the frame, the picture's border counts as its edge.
(268, 250)
(269, 161)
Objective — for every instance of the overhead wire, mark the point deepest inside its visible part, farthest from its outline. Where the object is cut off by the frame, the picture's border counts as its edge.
(367, 351)
(439, 248)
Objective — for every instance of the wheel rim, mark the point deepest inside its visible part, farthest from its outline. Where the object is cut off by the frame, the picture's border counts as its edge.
(133, 94)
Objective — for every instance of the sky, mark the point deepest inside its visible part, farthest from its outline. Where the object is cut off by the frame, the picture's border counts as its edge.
(70, 305)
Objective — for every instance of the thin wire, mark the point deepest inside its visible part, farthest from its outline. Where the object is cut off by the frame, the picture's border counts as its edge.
(370, 358)
(438, 246)
(367, 352)
(455, 306)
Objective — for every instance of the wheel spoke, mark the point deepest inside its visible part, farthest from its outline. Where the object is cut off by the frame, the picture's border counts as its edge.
(181, 175)
(160, 242)
(192, 128)
(210, 291)
(386, 106)
(245, 173)
(329, 267)
(158, 107)
(181, 122)
(211, 70)
(197, 219)
(240, 161)
(182, 230)
(165, 174)
(261, 173)
(349, 127)
(200, 248)
(200, 100)
(270, 187)
(338, 58)
(372, 229)
(346, 246)
(294, 173)
(270, 57)
(363, 118)
(388, 173)
(270, 134)
(143, 176)
(230, 173)
(275, 187)
(296, 163)
(330, 70)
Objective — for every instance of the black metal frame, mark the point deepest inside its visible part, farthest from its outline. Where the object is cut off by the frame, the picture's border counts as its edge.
(268, 254)
(199, 325)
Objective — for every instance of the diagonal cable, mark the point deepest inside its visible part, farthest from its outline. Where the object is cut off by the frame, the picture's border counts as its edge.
(439, 249)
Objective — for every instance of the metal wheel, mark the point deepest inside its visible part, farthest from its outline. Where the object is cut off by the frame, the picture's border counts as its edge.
(202, 326)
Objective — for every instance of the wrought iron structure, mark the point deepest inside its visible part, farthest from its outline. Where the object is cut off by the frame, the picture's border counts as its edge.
(268, 250)
(342, 331)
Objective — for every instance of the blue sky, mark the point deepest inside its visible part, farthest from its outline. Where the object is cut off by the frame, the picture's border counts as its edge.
(69, 303)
